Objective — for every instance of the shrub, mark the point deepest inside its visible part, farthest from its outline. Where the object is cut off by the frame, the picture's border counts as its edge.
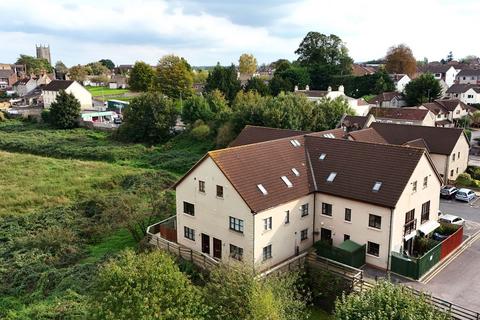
(468, 133)
(65, 111)
(387, 301)
(464, 179)
(45, 116)
(225, 135)
(201, 132)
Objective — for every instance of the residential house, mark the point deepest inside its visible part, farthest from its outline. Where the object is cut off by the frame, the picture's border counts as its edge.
(360, 106)
(7, 78)
(352, 123)
(359, 70)
(388, 100)
(448, 111)
(467, 93)
(118, 81)
(420, 117)
(468, 76)
(263, 203)
(448, 147)
(444, 72)
(52, 89)
(24, 86)
(400, 81)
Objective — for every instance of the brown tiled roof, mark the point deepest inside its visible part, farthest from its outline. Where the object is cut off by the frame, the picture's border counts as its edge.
(359, 165)
(442, 68)
(57, 85)
(254, 134)
(358, 121)
(399, 113)
(359, 70)
(439, 140)
(469, 72)
(445, 105)
(417, 143)
(338, 133)
(386, 96)
(265, 163)
(367, 135)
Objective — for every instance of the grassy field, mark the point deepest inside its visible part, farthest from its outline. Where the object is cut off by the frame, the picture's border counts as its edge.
(31, 183)
(176, 156)
(104, 91)
(52, 234)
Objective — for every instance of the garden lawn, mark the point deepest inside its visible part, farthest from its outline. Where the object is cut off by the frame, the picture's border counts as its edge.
(104, 91)
(30, 183)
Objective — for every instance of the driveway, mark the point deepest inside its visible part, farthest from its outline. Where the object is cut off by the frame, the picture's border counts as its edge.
(459, 281)
(468, 211)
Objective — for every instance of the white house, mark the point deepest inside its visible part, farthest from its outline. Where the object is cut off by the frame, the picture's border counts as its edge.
(360, 106)
(51, 90)
(388, 100)
(24, 86)
(468, 76)
(400, 81)
(467, 93)
(447, 111)
(264, 202)
(443, 72)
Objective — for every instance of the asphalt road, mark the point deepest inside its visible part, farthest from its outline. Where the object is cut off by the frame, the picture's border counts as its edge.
(459, 281)
(468, 211)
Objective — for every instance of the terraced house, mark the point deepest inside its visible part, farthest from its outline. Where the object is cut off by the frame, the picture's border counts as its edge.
(274, 193)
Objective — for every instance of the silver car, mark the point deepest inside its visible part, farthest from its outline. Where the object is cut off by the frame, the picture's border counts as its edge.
(465, 195)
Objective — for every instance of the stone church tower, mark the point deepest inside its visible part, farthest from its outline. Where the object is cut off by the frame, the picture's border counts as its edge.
(43, 52)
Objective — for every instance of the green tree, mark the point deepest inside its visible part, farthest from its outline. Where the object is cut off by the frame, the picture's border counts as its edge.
(247, 64)
(278, 84)
(235, 293)
(257, 84)
(289, 111)
(423, 89)
(387, 301)
(248, 108)
(145, 286)
(142, 77)
(280, 65)
(65, 111)
(97, 68)
(196, 108)
(78, 73)
(326, 54)
(328, 112)
(400, 59)
(225, 80)
(61, 67)
(148, 118)
(174, 77)
(107, 63)
(34, 65)
(200, 76)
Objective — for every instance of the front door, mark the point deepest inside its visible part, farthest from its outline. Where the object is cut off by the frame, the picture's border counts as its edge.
(326, 235)
(217, 248)
(205, 243)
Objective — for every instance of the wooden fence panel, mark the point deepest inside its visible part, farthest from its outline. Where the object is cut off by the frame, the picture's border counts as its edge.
(451, 243)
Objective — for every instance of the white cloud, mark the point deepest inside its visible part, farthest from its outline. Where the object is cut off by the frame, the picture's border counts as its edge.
(125, 31)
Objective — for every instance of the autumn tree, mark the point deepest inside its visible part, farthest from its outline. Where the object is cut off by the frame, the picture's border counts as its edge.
(174, 77)
(64, 113)
(142, 77)
(223, 79)
(78, 73)
(247, 64)
(97, 68)
(423, 89)
(400, 59)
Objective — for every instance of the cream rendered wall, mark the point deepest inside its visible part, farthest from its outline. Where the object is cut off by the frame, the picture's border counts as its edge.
(77, 90)
(440, 162)
(461, 164)
(284, 238)
(358, 228)
(413, 200)
(212, 213)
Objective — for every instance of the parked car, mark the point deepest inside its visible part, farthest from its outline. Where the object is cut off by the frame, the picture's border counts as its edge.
(439, 237)
(448, 192)
(451, 219)
(465, 195)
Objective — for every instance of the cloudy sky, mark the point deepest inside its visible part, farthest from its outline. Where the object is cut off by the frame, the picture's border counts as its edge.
(207, 31)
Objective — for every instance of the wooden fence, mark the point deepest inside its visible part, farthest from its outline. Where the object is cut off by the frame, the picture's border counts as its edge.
(451, 243)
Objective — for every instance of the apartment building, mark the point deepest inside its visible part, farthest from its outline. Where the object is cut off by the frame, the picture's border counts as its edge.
(266, 199)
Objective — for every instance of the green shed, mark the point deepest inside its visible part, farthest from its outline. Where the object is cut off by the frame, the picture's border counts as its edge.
(348, 252)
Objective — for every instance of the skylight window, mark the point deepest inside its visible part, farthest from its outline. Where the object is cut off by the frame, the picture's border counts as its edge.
(376, 186)
(287, 182)
(322, 156)
(262, 189)
(331, 176)
(295, 172)
(329, 135)
(295, 143)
